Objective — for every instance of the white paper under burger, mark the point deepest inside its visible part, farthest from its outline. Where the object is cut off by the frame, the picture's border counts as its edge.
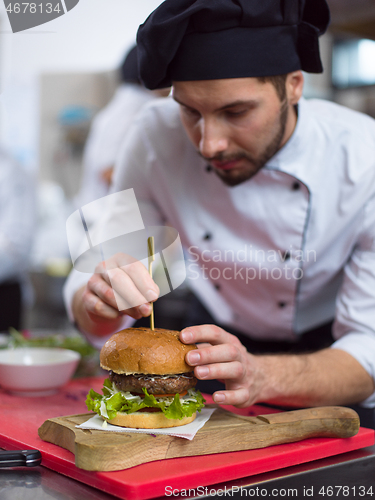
(187, 431)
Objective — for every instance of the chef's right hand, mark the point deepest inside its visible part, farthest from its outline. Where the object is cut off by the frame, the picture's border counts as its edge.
(134, 288)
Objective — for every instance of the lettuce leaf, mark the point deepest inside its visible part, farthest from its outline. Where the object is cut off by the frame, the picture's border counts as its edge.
(119, 402)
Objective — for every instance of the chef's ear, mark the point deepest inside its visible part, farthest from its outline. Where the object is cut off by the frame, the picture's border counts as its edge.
(294, 86)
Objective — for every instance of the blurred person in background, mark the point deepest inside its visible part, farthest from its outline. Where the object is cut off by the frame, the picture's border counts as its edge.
(17, 224)
(109, 128)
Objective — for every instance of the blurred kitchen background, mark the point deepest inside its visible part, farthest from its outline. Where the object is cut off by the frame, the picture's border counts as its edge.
(54, 79)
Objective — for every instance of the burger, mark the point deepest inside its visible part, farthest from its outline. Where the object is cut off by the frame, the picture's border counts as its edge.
(149, 384)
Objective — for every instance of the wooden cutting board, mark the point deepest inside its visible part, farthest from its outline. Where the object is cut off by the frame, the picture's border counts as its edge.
(96, 450)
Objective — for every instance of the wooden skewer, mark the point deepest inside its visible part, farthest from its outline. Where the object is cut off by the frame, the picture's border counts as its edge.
(151, 258)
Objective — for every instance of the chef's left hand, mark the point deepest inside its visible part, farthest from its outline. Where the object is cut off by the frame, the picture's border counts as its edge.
(222, 356)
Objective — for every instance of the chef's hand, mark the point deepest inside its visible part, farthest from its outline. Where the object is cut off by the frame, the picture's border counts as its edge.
(322, 378)
(132, 283)
(221, 355)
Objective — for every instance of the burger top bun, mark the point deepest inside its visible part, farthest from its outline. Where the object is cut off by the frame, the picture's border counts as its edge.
(142, 350)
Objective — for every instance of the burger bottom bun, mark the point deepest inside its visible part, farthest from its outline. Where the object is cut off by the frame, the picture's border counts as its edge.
(145, 420)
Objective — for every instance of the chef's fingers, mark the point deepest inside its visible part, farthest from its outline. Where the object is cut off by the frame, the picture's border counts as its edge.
(239, 397)
(135, 313)
(207, 333)
(213, 354)
(103, 292)
(100, 300)
(142, 280)
(101, 271)
(127, 293)
(97, 307)
(203, 345)
(131, 281)
(233, 370)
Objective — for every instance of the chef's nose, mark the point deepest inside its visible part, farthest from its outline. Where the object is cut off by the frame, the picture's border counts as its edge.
(212, 138)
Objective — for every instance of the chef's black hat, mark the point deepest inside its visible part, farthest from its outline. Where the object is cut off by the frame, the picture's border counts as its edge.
(129, 67)
(186, 40)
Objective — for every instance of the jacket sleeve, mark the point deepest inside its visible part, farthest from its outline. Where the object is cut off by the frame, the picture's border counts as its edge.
(354, 326)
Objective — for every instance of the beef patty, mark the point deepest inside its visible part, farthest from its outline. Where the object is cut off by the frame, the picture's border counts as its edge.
(155, 384)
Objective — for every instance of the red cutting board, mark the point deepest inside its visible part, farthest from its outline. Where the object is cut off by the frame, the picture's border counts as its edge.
(20, 419)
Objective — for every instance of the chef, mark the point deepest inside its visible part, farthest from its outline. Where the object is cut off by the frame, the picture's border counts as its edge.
(273, 197)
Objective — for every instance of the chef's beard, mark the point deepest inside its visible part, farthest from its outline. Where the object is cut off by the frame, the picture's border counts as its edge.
(235, 177)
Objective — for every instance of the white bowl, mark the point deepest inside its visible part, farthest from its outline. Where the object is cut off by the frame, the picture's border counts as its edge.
(36, 371)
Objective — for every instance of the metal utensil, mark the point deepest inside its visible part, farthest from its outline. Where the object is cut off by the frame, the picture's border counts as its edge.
(20, 458)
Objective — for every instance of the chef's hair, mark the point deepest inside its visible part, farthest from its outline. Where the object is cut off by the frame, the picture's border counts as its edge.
(278, 81)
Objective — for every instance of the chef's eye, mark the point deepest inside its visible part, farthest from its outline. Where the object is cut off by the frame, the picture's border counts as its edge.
(236, 113)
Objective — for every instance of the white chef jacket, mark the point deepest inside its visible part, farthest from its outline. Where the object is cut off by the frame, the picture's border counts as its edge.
(17, 222)
(285, 251)
(108, 130)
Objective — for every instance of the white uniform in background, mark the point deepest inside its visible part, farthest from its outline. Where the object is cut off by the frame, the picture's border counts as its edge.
(285, 251)
(17, 222)
(108, 130)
